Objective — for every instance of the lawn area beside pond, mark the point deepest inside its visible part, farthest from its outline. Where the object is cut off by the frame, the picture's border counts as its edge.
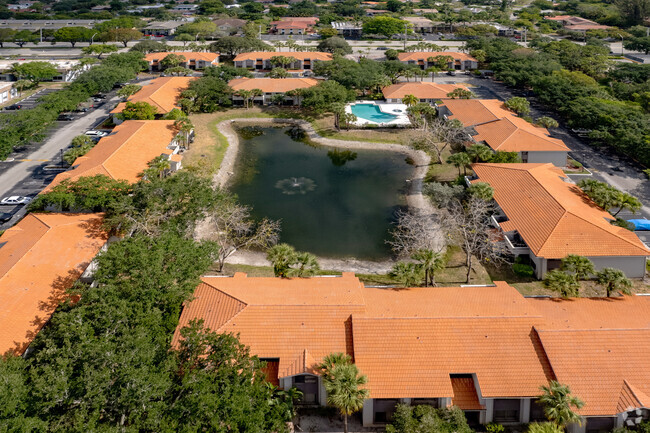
(207, 151)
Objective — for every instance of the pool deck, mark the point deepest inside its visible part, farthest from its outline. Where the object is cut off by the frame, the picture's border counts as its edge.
(385, 107)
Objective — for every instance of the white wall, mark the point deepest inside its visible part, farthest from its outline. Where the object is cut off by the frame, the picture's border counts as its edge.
(556, 158)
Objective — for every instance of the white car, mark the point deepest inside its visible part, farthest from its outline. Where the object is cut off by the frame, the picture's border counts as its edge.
(15, 199)
(95, 133)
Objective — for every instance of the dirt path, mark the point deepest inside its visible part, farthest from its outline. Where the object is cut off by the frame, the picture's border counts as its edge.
(415, 200)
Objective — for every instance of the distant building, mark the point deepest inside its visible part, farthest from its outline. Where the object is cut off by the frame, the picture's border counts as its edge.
(21, 6)
(193, 60)
(261, 60)
(185, 9)
(230, 25)
(162, 28)
(420, 25)
(7, 92)
(293, 26)
(577, 24)
(68, 69)
(270, 87)
(35, 25)
(348, 29)
(460, 61)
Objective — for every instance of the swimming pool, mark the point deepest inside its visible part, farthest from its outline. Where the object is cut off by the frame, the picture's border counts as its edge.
(372, 113)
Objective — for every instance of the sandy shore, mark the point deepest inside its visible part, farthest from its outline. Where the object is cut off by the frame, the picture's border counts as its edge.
(414, 198)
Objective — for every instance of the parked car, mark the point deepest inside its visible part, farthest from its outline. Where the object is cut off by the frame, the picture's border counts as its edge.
(95, 133)
(99, 96)
(15, 199)
(5, 217)
(83, 109)
(13, 107)
(451, 72)
(65, 117)
(382, 48)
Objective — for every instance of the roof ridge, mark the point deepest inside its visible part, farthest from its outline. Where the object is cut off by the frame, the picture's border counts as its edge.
(109, 156)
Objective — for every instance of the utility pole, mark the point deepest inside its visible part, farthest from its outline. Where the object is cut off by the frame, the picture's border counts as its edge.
(405, 29)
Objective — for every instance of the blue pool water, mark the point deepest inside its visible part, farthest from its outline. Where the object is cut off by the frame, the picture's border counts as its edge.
(371, 112)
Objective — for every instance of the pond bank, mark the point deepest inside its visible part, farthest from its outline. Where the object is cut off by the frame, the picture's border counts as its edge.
(414, 198)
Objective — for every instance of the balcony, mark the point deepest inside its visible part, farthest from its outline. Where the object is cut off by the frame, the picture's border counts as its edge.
(497, 220)
(516, 244)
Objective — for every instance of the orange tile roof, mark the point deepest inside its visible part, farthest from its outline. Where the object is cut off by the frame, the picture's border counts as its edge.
(552, 216)
(421, 90)
(292, 25)
(600, 365)
(424, 55)
(161, 93)
(300, 55)
(472, 112)
(123, 154)
(272, 85)
(40, 258)
(189, 55)
(411, 343)
(502, 129)
(465, 396)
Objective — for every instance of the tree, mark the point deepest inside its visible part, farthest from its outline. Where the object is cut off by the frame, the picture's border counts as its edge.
(344, 384)
(547, 122)
(410, 100)
(458, 160)
(635, 10)
(459, 93)
(607, 197)
(407, 273)
(559, 403)
(438, 135)
(157, 167)
(614, 280)
(519, 105)
(348, 119)
(172, 60)
(184, 38)
(207, 94)
(304, 265)
(249, 95)
(479, 153)
(544, 427)
(34, 71)
(233, 229)
(123, 35)
(22, 85)
(88, 193)
(563, 283)
(226, 72)
(638, 44)
(430, 262)
(198, 28)
(282, 61)
(232, 45)
(128, 90)
(99, 49)
(138, 111)
(627, 201)
(479, 55)
(279, 73)
(335, 45)
(581, 266)
(6, 35)
(79, 146)
(384, 25)
(147, 46)
(327, 32)
(415, 231)
(481, 190)
(73, 34)
(427, 419)
(391, 54)
(325, 96)
(468, 223)
(185, 129)
(281, 256)
(21, 37)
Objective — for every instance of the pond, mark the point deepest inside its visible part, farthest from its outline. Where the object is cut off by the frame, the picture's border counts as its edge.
(332, 202)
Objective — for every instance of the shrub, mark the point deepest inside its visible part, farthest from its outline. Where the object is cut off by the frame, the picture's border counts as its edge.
(523, 271)
(494, 428)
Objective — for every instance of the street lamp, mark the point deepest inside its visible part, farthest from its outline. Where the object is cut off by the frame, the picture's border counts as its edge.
(622, 52)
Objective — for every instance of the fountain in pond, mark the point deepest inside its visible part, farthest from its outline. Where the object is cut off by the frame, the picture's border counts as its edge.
(295, 185)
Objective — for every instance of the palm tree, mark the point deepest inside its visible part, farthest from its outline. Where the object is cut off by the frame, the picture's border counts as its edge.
(482, 190)
(432, 70)
(344, 385)
(430, 262)
(627, 201)
(565, 284)
(282, 256)
(307, 265)
(332, 360)
(614, 280)
(245, 95)
(407, 273)
(559, 403)
(185, 128)
(21, 85)
(581, 266)
(159, 166)
(479, 152)
(410, 100)
(460, 159)
(255, 93)
(409, 73)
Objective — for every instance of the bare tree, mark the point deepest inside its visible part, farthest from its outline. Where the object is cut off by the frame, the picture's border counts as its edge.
(469, 224)
(415, 231)
(438, 136)
(232, 228)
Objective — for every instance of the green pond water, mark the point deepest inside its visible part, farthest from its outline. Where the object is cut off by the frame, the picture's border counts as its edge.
(332, 202)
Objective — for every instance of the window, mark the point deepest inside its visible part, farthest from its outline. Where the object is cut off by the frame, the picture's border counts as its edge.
(506, 410)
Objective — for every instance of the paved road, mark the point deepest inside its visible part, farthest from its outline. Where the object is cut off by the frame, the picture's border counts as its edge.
(27, 174)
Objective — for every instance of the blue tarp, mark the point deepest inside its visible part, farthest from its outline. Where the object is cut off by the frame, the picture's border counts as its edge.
(640, 224)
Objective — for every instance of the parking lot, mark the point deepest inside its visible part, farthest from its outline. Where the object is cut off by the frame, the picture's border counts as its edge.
(33, 100)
